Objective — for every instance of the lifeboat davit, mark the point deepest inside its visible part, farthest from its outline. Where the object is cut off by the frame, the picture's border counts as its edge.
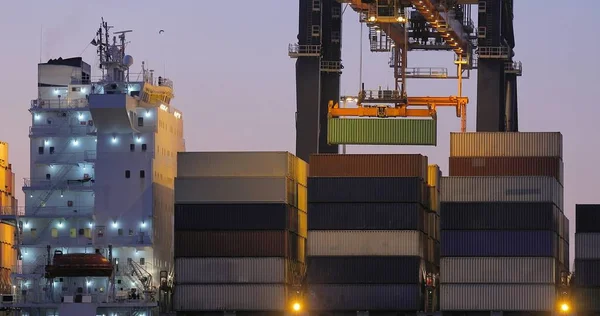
(79, 265)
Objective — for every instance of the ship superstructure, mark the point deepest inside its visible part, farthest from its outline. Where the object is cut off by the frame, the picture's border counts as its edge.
(96, 234)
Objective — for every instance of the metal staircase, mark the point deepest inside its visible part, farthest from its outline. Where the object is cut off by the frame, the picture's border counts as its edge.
(379, 41)
(54, 185)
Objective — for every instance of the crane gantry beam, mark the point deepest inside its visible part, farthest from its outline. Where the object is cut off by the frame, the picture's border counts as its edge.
(451, 29)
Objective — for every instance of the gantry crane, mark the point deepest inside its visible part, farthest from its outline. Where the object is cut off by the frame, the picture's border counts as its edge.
(399, 26)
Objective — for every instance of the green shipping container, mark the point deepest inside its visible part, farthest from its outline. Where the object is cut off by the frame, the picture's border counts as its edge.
(381, 131)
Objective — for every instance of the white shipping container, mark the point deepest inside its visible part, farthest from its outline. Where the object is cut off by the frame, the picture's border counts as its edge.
(497, 297)
(502, 189)
(236, 190)
(241, 164)
(498, 270)
(247, 297)
(366, 243)
(233, 270)
(587, 245)
(502, 144)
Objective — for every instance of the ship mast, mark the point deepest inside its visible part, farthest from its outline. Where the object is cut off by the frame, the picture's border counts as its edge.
(113, 61)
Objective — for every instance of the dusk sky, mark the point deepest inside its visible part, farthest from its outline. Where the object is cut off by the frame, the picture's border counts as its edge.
(235, 83)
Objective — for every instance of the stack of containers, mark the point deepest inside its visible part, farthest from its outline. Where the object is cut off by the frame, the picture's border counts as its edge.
(587, 258)
(240, 231)
(504, 234)
(369, 244)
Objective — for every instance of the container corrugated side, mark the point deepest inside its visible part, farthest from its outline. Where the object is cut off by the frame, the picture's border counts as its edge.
(366, 243)
(497, 297)
(502, 189)
(498, 270)
(587, 246)
(212, 190)
(239, 297)
(434, 199)
(588, 273)
(503, 215)
(364, 270)
(587, 219)
(382, 297)
(363, 189)
(434, 174)
(506, 166)
(587, 300)
(368, 165)
(239, 244)
(366, 216)
(235, 270)
(241, 164)
(382, 131)
(238, 217)
(503, 144)
(486, 243)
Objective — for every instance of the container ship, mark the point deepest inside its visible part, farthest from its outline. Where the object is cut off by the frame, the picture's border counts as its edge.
(94, 236)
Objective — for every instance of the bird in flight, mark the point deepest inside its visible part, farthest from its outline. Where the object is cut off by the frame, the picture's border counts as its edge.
(161, 31)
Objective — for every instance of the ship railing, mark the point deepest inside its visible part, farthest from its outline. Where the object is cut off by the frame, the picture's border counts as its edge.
(60, 159)
(50, 130)
(63, 239)
(9, 210)
(89, 155)
(59, 104)
(58, 211)
(45, 184)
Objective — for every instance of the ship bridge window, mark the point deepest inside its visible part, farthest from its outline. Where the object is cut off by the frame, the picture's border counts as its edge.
(127, 174)
(120, 231)
(142, 174)
(51, 150)
(140, 121)
(144, 147)
(41, 150)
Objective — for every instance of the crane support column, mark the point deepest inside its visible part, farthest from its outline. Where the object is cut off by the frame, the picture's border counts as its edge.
(318, 69)
(497, 73)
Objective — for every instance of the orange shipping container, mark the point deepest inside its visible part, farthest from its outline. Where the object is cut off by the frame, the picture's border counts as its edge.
(368, 165)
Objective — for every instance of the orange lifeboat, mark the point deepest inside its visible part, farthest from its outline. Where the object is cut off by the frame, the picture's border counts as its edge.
(79, 265)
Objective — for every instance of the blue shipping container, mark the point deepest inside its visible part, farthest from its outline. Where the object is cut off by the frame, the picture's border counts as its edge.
(367, 189)
(366, 216)
(500, 216)
(499, 243)
(364, 270)
(344, 297)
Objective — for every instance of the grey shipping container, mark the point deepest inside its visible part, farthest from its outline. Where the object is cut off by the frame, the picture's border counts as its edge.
(227, 297)
(364, 270)
(498, 270)
(587, 245)
(498, 297)
(500, 216)
(236, 270)
(241, 164)
(587, 300)
(366, 243)
(587, 219)
(484, 243)
(366, 216)
(588, 273)
(276, 216)
(240, 244)
(212, 190)
(346, 297)
(502, 189)
(502, 144)
(366, 189)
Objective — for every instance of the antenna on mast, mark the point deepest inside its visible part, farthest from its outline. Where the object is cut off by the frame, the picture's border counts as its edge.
(113, 61)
